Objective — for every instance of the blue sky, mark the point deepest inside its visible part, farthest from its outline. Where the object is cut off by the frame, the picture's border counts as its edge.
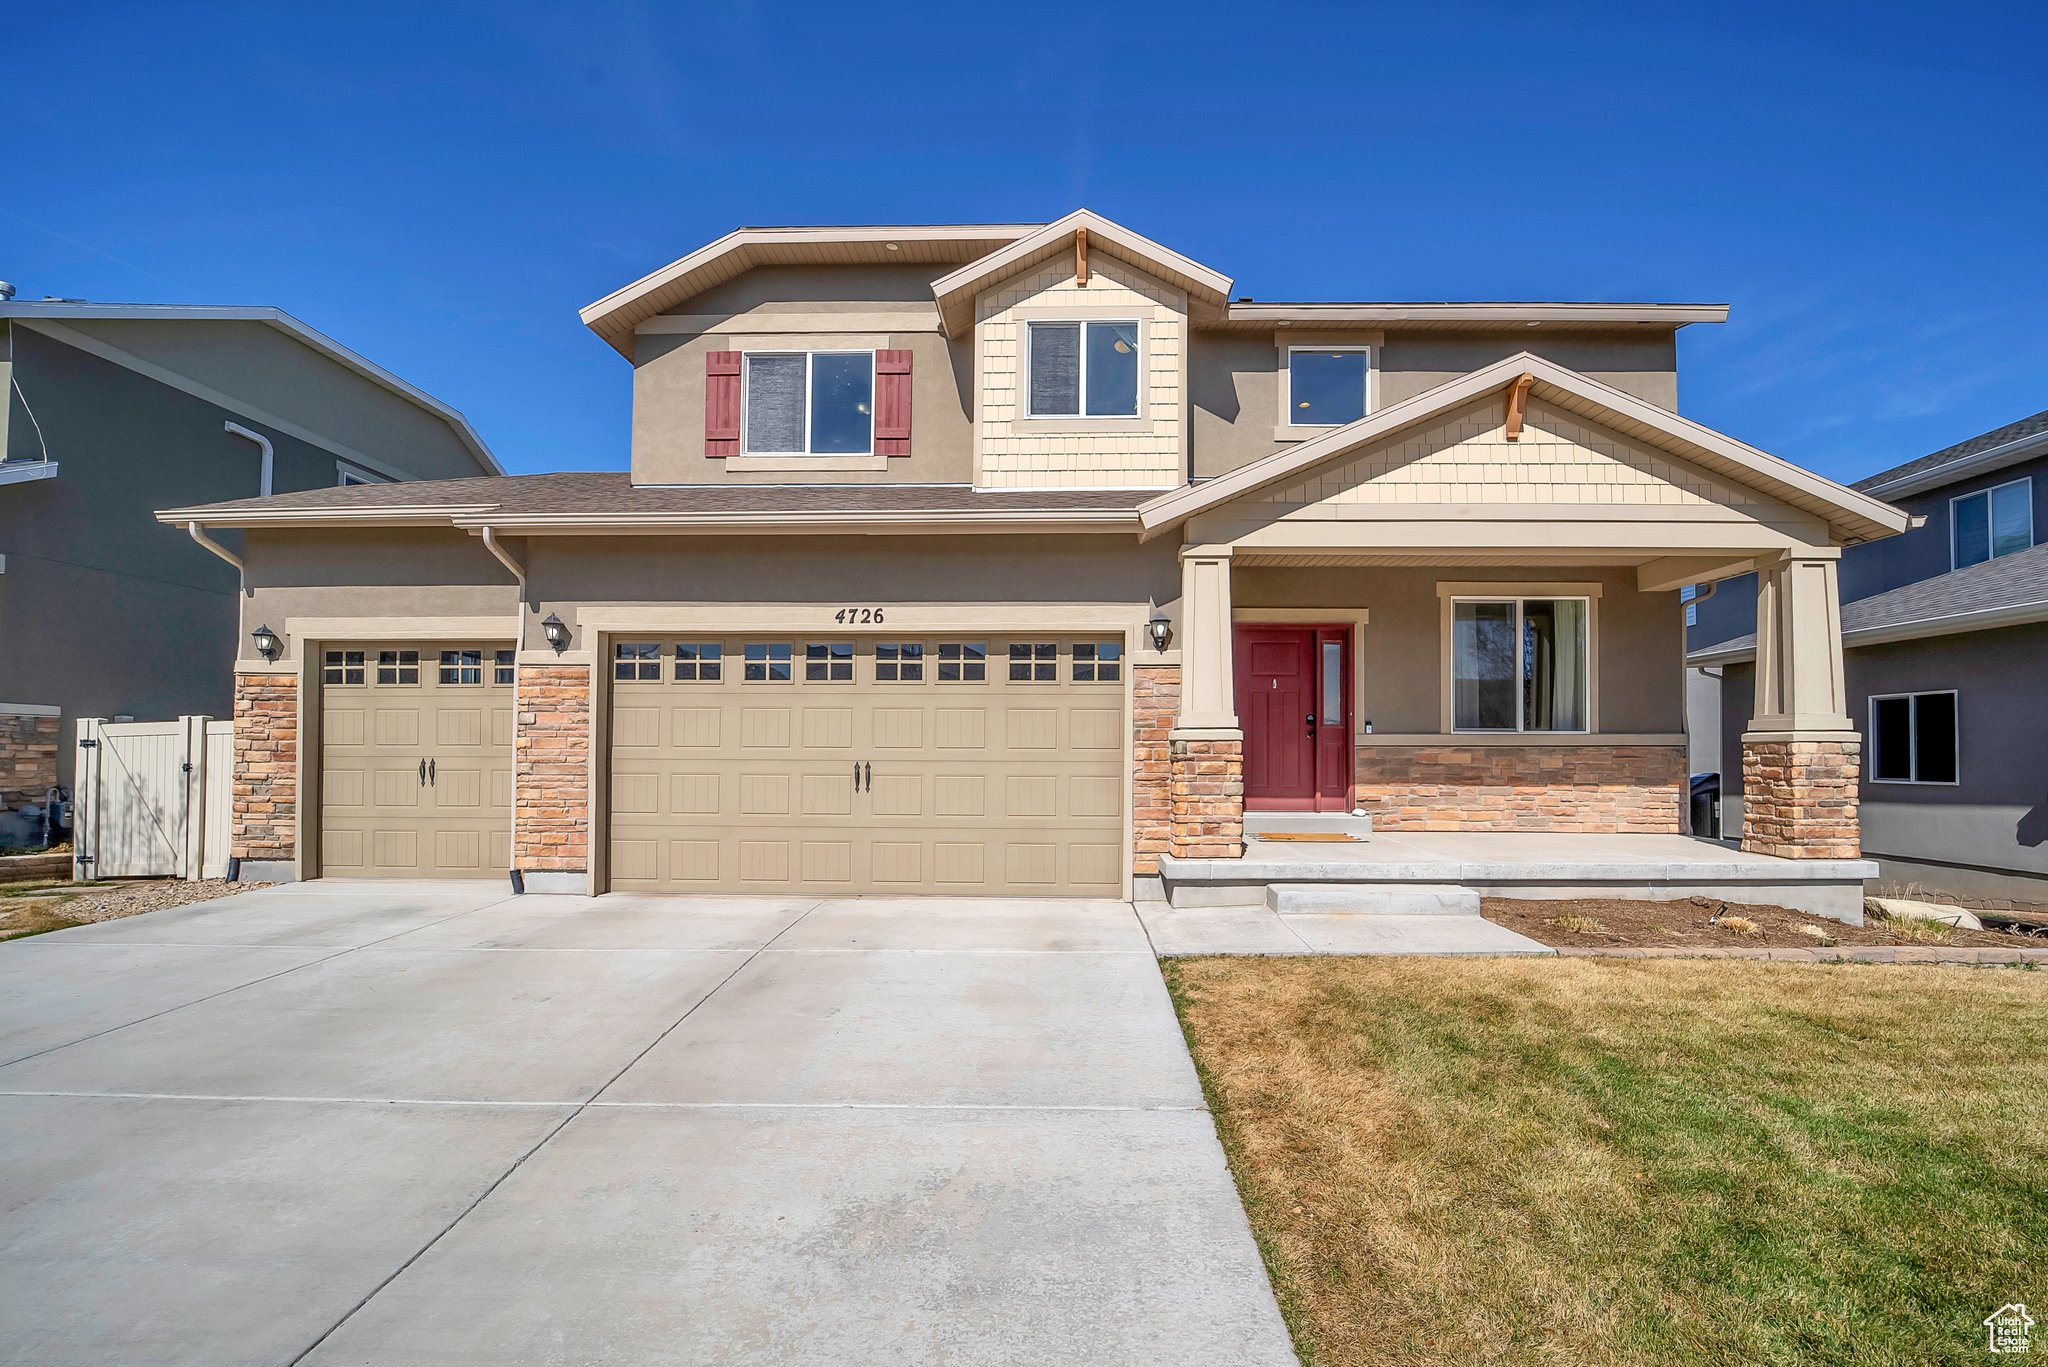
(442, 186)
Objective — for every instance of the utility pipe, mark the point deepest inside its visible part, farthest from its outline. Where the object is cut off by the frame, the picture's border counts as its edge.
(262, 444)
(497, 548)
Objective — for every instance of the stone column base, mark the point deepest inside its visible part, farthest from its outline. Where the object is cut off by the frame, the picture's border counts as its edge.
(551, 773)
(28, 756)
(1207, 797)
(264, 827)
(1799, 797)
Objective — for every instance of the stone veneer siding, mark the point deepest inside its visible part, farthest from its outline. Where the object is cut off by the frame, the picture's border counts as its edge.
(266, 791)
(1207, 793)
(1596, 788)
(28, 758)
(551, 770)
(1155, 700)
(1799, 798)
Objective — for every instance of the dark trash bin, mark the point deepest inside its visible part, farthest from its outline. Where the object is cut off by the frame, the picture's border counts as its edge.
(1706, 805)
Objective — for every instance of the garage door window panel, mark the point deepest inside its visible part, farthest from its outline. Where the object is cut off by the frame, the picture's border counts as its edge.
(502, 667)
(398, 668)
(699, 662)
(1035, 662)
(899, 662)
(1098, 661)
(636, 661)
(341, 668)
(766, 662)
(462, 667)
(963, 662)
(828, 662)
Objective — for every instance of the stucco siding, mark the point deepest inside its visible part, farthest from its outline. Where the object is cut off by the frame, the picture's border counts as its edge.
(1015, 451)
(802, 308)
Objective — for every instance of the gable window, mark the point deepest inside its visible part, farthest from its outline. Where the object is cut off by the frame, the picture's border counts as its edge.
(347, 474)
(1520, 664)
(1327, 386)
(1082, 370)
(1914, 738)
(1991, 523)
(809, 403)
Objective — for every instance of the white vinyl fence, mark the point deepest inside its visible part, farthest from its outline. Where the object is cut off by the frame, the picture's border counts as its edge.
(152, 798)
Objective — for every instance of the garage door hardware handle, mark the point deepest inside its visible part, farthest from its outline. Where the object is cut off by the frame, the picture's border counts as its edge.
(423, 773)
(856, 776)
(870, 777)
(430, 773)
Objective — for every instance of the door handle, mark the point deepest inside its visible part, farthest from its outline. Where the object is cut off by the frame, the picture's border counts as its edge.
(870, 777)
(1311, 720)
(423, 773)
(856, 776)
(430, 773)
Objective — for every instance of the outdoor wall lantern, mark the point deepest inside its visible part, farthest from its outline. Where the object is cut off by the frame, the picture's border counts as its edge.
(1160, 631)
(557, 632)
(267, 643)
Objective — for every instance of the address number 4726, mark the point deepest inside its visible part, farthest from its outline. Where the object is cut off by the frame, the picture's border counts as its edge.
(858, 617)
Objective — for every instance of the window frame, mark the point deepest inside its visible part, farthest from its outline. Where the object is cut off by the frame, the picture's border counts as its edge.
(963, 662)
(335, 660)
(1081, 413)
(1913, 735)
(791, 658)
(697, 663)
(399, 664)
(1096, 663)
(900, 662)
(809, 355)
(442, 666)
(348, 473)
(1364, 349)
(1450, 658)
(1987, 493)
(639, 662)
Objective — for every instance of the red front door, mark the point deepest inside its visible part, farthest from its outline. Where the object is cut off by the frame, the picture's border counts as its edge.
(1293, 700)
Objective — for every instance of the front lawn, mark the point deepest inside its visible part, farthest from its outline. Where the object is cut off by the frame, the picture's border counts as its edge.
(1599, 1162)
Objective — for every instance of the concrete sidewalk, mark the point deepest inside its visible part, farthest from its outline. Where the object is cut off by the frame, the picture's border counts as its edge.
(1259, 930)
(342, 1123)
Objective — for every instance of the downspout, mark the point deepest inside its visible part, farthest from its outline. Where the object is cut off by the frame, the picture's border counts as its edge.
(263, 445)
(497, 548)
(222, 551)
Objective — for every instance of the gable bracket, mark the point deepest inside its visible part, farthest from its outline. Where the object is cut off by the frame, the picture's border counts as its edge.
(1081, 257)
(1518, 404)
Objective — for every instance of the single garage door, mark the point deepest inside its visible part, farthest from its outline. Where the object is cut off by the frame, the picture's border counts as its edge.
(929, 765)
(415, 761)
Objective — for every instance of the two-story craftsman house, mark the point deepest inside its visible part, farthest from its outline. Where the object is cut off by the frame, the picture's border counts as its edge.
(1018, 559)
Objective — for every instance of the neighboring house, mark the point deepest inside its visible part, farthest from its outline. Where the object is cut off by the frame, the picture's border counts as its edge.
(1026, 559)
(115, 410)
(1946, 630)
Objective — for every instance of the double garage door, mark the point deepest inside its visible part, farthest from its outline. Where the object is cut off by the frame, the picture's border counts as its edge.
(964, 765)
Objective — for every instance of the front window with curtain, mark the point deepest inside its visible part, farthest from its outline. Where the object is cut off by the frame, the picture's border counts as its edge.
(809, 403)
(1520, 664)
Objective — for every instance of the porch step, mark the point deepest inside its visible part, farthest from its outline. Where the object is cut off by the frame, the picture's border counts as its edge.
(1343, 823)
(1376, 899)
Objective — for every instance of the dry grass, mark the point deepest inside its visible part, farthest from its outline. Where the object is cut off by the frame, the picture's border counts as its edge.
(1820, 935)
(1580, 925)
(1741, 925)
(1623, 1162)
(1922, 932)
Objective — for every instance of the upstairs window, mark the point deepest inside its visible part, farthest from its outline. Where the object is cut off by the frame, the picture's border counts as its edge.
(809, 403)
(1082, 370)
(1991, 523)
(1327, 386)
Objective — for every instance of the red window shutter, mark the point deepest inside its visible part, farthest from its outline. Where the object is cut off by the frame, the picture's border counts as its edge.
(721, 404)
(892, 403)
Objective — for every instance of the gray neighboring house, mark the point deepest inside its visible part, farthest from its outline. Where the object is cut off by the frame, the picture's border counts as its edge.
(115, 410)
(1945, 637)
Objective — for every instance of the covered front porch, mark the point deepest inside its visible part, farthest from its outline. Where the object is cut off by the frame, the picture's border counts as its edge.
(1457, 624)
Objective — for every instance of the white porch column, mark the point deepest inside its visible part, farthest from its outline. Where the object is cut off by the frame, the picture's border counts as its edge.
(1208, 682)
(1801, 754)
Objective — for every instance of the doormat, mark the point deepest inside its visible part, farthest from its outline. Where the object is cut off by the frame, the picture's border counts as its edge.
(1318, 837)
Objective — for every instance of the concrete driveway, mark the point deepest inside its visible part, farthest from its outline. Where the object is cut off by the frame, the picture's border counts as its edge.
(358, 1123)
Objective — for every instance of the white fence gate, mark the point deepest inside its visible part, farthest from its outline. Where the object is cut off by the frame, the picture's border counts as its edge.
(152, 798)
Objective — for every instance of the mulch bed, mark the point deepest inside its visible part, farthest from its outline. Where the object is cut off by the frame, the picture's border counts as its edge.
(1700, 922)
(31, 908)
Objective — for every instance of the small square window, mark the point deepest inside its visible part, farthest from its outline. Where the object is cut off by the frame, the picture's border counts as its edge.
(899, 663)
(1038, 662)
(828, 662)
(501, 667)
(400, 667)
(962, 662)
(700, 661)
(342, 667)
(766, 663)
(1326, 387)
(1098, 661)
(462, 666)
(634, 661)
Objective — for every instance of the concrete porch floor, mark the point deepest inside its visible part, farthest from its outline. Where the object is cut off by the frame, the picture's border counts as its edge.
(1533, 865)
